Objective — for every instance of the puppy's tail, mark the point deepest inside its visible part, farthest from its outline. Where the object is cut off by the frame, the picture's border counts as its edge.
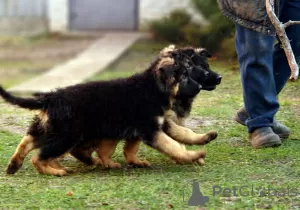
(27, 103)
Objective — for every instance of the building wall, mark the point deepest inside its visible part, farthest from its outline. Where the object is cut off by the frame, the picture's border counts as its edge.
(58, 11)
(38, 16)
(148, 10)
(153, 9)
(23, 16)
(103, 15)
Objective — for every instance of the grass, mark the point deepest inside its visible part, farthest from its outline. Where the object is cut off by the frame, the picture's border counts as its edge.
(231, 162)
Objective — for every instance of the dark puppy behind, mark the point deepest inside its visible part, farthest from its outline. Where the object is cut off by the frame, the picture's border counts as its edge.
(199, 58)
(132, 108)
(199, 72)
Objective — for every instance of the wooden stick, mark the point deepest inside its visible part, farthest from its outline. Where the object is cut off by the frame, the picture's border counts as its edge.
(290, 23)
(280, 31)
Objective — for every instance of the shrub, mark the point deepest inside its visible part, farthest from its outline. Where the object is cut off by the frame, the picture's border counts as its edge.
(220, 28)
(207, 8)
(227, 49)
(180, 17)
(192, 34)
(166, 30)
(178, 28)
(170, 28)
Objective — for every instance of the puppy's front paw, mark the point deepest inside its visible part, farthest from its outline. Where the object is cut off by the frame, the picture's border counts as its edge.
(200, 161)
(211, 135)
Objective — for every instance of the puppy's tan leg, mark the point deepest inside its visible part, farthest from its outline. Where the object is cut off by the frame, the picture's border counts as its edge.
(16, 161)
(187, 136)
(44, 167)
(173, 149)
(200, 161)
(106, 149)
(131, 148)
(56, 165)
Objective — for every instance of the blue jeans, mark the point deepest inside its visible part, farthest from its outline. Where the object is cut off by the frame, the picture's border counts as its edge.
(264, 67)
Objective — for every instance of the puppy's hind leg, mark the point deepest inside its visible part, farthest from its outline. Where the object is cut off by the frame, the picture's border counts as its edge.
(29, 142)
(165, 144)
(53, 148)
(106, 149)
(186, 135)
(85, 155)
(48, 167)
(57, 165)
(16, 161)
(131, 148)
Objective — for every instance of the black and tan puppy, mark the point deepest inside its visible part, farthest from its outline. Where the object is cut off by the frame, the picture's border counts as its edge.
(131, 108)
(105, 149)
(200, 77)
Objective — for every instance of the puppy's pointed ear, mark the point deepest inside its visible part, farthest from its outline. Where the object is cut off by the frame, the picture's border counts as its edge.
(167, 50)
(204, 52)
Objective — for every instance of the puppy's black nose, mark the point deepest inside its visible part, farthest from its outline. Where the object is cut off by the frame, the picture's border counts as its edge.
(218, 80)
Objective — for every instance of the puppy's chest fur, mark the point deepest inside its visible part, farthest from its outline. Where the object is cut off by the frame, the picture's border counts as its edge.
(182, 107)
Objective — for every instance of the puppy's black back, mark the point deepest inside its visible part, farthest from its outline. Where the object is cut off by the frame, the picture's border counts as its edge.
(104, 109)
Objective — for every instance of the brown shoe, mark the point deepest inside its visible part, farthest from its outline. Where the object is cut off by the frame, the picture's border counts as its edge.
(264, 137)
(281, 130)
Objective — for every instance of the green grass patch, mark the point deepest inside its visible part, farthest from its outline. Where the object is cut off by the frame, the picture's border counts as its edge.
(231, 162)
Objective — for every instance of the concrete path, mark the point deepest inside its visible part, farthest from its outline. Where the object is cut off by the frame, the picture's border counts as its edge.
(94, 59)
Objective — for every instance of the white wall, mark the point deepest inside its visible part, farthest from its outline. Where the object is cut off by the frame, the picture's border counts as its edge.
(58, 13)
(23, 17)
(153, 9)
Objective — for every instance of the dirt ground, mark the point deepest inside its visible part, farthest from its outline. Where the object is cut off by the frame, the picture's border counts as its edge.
(22, 58)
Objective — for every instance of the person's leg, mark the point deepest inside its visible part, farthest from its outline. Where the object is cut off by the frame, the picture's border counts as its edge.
(255, 52)
(290, 11)
(256, 65)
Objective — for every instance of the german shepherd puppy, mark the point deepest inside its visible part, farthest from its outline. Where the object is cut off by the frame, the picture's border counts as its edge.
(200, 77)
(130, 108)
